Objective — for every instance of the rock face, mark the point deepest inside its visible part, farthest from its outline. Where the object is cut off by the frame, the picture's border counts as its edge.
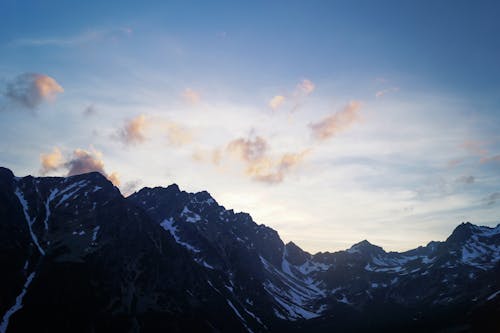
(76, 256)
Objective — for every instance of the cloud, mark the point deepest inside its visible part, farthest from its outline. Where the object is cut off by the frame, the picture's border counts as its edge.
(80, 161)
(491, 199)
(191, 96)
(465, 179)
(276, 102)
(83, 38)
(213, 156)
(133, 131)
(114, 177)
(84, 161)
(89, 111)
(337, 122)
(383, 92)
(474, 147)
(130, 187)
(51, 161)
(477, 148)
(177, 135)
(31, 89)
(495, 158)
(305, 87)
(273, 172)
(454, 162)
(248, 150)
(259, 165)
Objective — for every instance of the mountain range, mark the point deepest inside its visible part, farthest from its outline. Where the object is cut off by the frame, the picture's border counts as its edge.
(77, 256)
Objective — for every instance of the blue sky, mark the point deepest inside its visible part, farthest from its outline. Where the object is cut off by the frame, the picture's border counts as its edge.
(330, 121)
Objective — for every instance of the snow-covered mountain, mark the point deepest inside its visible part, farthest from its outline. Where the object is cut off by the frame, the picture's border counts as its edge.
(77, 256)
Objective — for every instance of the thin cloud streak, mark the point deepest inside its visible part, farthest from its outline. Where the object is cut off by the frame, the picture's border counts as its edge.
(83, 38)
(337, 122)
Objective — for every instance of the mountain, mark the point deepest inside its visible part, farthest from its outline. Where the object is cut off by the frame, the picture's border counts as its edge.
(77, 256)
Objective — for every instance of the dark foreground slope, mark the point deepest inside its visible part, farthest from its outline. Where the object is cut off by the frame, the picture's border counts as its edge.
(76, 256)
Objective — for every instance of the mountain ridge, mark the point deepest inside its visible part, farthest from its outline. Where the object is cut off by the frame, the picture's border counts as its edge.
(166, 258)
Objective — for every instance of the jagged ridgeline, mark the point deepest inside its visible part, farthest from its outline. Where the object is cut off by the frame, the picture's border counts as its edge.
(76, 256)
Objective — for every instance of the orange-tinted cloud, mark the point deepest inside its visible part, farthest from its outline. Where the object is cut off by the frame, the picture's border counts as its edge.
(114, 177)
(259, 164)
(474, 147)
(191, 96)
(31, 89)
(274, 171)
(84, 161)
(337, 122)
(80, 161)
(495, 158)
(276, 102)
(248, 150)
(305, 87)
(177, 135)
(51, 161)
(134, 130)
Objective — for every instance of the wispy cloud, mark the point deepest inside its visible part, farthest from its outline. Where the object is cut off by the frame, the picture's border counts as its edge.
(90, 111)
(305, 87)
(191, 96)
(31, 89)
(133, 132)
(337, 122)
(465, 179)
(248, 149)
(474, 147)
(492, 199)
(177, 135)
(488, 159)
(383, 92)
(273, 171)
(276, 102)
(259, 164)
(82, 38)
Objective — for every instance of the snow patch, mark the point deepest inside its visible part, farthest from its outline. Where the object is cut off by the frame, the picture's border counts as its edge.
(168, 224)
(30, 221)
(17, 306)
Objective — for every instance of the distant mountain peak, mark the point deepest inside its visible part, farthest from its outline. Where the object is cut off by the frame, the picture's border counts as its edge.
(365, 247)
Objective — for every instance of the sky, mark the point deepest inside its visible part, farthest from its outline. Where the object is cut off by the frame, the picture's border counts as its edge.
(329, 121)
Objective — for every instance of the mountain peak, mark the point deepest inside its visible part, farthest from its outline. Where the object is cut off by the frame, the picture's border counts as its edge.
(462, 232)
(365, 247)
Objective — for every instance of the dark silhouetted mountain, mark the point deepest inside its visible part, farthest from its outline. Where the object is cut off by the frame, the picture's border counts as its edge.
(76, 256)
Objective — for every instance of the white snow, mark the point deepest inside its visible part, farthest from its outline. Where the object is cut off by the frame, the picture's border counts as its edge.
(72, 189)
(30, 222)
(190, 216)
(239, 315)
(17, 306)
(51, 197)
(168, 224)
(492, 296)
(344, 300)
(94, 233)
(203, 263)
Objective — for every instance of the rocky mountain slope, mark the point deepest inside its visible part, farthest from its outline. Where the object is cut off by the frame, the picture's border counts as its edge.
(77, 256)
